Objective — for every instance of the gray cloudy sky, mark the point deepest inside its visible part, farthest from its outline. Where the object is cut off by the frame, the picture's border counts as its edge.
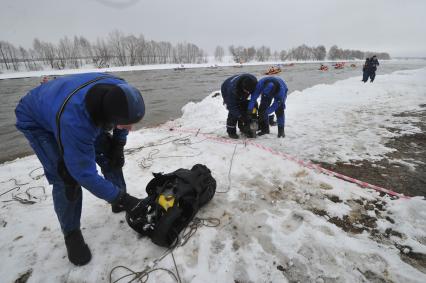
(394, 26)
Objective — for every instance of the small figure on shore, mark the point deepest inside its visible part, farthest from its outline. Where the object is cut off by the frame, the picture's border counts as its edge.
(373, 67)
(369, 69)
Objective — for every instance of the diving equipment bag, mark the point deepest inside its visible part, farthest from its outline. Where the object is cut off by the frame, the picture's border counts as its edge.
(173, 201)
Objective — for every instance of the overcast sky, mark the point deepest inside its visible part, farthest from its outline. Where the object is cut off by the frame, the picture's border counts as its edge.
(394, 26)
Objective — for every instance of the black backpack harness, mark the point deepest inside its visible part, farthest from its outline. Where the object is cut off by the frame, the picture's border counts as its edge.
(174, 200)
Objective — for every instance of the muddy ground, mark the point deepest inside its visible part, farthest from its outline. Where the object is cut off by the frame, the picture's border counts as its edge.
(389, 174)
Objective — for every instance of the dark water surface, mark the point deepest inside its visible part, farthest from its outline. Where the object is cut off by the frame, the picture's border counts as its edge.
(166, 91)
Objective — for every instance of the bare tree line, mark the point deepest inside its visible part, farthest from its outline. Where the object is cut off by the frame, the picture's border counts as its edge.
(337, 53)
(243, 54)
(117, 49)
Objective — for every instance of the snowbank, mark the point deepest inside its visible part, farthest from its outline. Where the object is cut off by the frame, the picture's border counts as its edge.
(279, 221)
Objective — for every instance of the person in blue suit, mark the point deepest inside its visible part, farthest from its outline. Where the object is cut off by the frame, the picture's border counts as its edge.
(235, 92)
(373, 68)
(68, 123)
(369, 69)
(273, 92)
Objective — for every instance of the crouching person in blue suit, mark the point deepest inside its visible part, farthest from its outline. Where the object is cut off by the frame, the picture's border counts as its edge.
(235, 92)
(273, 92)
(68, 122)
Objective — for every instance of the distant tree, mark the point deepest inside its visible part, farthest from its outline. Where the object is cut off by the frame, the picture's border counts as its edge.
(319, 52)
(4, 59)
(85, 49)
(101, 54)
(24, 57)
(283, 55)
(64, 53)
(118, 50)
(76, 56)
(383, 56)
(130, 44)
(251, 53)
(276, 56)
(263, 53)
(10, 55)
(380, 55)
(236, 54)
(334, 53)
(219, 52)
(302, 52)
(166, 52)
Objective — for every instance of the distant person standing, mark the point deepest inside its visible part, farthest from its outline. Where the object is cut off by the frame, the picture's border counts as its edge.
(373, 67)
(365, 72)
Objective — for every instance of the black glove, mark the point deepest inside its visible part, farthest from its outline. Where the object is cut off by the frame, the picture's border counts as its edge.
(133, 206)
(116, 155)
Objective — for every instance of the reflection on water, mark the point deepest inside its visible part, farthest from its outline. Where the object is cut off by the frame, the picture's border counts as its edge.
(166, 91)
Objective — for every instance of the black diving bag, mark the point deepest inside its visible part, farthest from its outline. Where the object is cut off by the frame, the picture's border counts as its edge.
(173, 201)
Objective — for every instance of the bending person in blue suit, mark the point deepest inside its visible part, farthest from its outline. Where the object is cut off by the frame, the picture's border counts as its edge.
(235, 92)
(68, 122)
(273, 92)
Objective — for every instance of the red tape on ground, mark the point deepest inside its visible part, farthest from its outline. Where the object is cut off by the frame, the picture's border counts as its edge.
(306, 164)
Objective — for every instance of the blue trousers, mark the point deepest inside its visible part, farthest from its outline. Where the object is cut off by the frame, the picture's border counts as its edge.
(265, 102)
(47, 150)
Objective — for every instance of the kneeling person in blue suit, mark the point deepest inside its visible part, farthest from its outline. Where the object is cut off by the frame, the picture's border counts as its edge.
(235, 92)
(68, 123)
(273, 92)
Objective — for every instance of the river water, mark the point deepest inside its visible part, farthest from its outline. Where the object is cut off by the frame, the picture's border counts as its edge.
(166, 91)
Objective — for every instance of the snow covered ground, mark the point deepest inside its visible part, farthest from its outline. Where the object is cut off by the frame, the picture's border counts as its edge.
(279, 221)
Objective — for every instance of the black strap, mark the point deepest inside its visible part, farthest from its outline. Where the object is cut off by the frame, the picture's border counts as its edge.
(61, 110)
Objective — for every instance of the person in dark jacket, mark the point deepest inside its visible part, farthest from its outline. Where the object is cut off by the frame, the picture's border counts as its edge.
(373, 68)
(273, 92)
(235, 92)
(365, 70)
(67, 122)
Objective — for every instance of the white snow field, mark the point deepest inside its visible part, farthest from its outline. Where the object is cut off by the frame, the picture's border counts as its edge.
(279, 221)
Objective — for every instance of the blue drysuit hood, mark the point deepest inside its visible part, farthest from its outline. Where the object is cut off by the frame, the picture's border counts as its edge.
(135, 106)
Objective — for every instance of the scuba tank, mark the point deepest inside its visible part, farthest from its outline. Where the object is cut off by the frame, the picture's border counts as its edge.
(254, 123)
(173, 201)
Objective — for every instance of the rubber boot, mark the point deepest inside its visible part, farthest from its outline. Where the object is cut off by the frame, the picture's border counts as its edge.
(117, 208)
(271, 121)
(232, 133)
(78, 252)
(264, 128)
(281, 133)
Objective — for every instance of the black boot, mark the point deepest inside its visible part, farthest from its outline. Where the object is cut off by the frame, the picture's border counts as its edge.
(78, 251)
(281, 133)
(271, 121)
(264, 128)
(116, 208)
(232, 133)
